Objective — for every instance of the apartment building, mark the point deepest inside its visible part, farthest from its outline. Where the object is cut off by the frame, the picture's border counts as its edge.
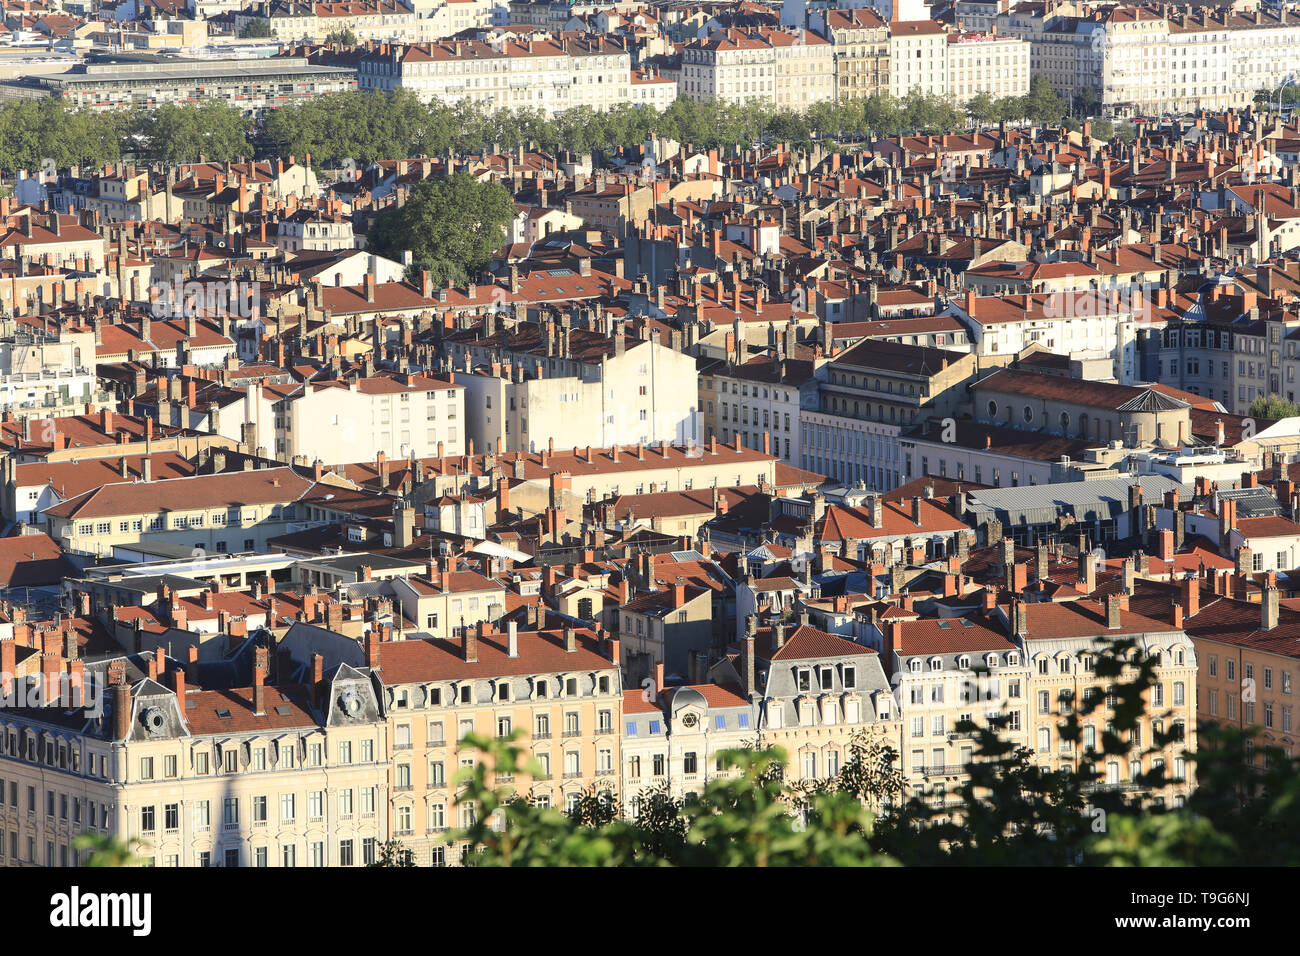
(1136, 59)
(247, 776)
(663, 628)
(442, 604)
(236, 511)
(817, 695)
(757, 404)
(860, 42)
(560, 687)
(45, 373)
(986, 63)
(866, 397)
(551, 73)
(672, 738)
(1084, 325)
(945, 672)
(1061, 641)
(790, 67)
(918, 58)
(291, 21)
(542, 386)
(400, 417)
(1247, 670)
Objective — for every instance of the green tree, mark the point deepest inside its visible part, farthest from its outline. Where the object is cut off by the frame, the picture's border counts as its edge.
(1043, 104)
(1103, 129)
(1273, 407)
(107, 850)
(345, 37)
(256, 29)
(982, 108)
(450, 226)
(181, 133)
(392, 853)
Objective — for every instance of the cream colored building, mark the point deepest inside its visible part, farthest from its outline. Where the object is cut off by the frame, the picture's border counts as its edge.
(442, 604)
(672, 737)
(918, 58)
(638, 392)
(235, 511)
(986, 63)
(945, 672)
(1062, 642)
(400, 417)
(252, 776)
(789, 67)
(551, 73)
(860, 39)
(560, 687)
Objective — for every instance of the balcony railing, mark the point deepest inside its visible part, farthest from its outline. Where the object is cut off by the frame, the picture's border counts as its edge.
(942, 769)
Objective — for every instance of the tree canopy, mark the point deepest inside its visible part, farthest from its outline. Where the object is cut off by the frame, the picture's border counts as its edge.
(1273, 407)
(450, 226)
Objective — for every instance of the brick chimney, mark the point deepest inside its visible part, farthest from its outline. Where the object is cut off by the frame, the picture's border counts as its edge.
(1167, 545)
(1113, 607)
(121, 711)
(471, 645)
(1191, 588)
(1269, 609)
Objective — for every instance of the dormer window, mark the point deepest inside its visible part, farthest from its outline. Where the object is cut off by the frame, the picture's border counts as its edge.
(963, 662)
(1013, 659)
(992, 661)
(914, 666)
(936, 664)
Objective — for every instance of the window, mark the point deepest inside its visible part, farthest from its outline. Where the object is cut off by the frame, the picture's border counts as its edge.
(259, 809)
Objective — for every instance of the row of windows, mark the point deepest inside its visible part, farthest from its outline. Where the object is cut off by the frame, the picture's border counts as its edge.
(59, 806)
(366, 798)
(501, 690)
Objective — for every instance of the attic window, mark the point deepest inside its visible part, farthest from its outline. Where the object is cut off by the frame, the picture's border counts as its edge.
(283, 711)
(944, 626)
(223, 713)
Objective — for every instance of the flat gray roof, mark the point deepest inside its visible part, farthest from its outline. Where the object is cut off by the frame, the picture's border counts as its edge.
(1086, 500)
